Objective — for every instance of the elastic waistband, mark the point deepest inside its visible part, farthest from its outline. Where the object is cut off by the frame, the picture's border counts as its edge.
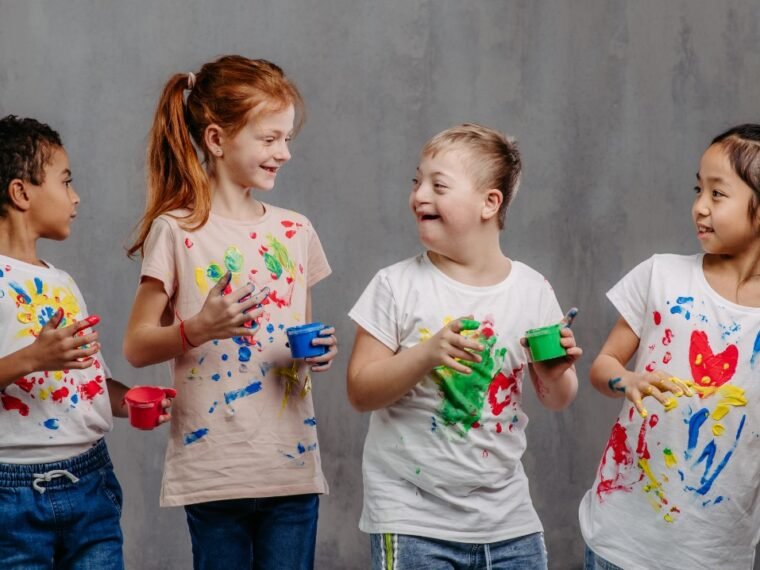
(23, 475)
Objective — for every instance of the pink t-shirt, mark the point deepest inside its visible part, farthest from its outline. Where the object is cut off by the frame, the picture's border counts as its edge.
(243, 422)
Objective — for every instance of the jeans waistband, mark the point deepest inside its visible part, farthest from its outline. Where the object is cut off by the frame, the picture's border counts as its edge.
(23, 475)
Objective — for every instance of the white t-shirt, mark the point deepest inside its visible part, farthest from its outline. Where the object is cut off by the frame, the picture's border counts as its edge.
(444, 460)
(680, 488)
(46, 416)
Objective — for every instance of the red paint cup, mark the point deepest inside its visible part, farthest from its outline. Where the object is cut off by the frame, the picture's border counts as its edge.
(144, 405)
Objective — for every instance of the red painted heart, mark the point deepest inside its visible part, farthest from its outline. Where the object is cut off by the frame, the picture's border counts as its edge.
(707, 368)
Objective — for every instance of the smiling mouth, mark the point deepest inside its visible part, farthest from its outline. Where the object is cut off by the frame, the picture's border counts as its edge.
(428, 217)
(270, 169)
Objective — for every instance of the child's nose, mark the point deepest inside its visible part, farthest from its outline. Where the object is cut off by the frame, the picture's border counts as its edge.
(283, 152)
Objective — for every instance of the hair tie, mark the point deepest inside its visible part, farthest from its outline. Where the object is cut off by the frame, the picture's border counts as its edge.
(190, 80)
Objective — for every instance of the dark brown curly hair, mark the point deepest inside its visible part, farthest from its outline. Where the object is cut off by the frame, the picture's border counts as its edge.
(26, 146)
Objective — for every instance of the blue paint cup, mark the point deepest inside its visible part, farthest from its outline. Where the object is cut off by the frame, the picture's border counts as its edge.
(300, 338)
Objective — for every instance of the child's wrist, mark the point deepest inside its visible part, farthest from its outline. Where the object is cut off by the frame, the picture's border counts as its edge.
(192, 331)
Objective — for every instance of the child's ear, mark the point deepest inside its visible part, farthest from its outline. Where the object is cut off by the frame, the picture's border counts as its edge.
(213, 136)
(18, 195)
(491, 203)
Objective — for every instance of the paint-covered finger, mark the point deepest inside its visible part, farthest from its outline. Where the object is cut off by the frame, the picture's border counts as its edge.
(220, 285)
(464, 324)
(683, 384)
(567, 320)
(78, 364)
(458, 366)
(657, 394)
(77, 341)
(670, 386)
(638, 404)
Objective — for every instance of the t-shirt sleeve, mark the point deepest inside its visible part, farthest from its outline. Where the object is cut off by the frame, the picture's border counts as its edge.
(318, 267)
(375, 312)
(551, 312)
(630, 295)
(159, 257)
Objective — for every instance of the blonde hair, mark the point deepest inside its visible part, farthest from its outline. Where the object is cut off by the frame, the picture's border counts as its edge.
(228, 92)
(494, 158)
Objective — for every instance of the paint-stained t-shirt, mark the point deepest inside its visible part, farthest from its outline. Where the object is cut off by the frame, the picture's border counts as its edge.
(243, 421)
(47, 416)
(679, 488)
(444, 461)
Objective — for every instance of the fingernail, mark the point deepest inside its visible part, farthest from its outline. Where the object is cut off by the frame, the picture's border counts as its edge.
(679, 393)
(93, 320)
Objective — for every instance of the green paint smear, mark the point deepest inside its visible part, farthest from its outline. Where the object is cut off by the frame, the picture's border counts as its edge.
(464, 394)
(214, 272)
(278, 259)
(233, 259)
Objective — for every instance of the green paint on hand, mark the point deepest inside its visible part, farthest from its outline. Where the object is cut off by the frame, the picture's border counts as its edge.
(464, 394)
(469, 324)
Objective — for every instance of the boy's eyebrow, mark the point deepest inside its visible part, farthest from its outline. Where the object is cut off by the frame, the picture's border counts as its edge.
(66, 173)
(717, 179)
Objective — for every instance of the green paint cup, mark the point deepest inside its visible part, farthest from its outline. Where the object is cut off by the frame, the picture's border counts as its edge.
(544, 343)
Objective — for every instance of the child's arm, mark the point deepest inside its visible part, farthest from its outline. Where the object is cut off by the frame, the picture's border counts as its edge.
(378, 377)
(148, 341)
(610, 376)
(326, 338)
(116, 392)
(53, 349)
(555, 381)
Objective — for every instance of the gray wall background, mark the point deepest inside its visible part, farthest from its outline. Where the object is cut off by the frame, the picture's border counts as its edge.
(612, 103)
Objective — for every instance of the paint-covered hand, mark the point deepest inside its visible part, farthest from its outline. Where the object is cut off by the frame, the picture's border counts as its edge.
(64, 349)
(326, 338)
(226, 315)
(449, 348)
(635, 386)
(550, 370)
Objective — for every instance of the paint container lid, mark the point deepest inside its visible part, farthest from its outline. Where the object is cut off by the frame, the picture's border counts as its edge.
(308, 328)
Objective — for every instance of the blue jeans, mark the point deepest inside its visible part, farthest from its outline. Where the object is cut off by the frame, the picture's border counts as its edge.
(405, 552)
(61, 515)
(272, 533)
(595, 562)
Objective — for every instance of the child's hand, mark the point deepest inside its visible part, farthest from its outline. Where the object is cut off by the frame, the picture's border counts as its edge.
(223, 316)
(166, 416)
(549, 370)
(62, 349)
(447, 345)
(637, 386)
(326, 338)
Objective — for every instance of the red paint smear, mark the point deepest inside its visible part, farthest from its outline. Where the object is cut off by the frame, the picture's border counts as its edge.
(289, 280)
(11, 403)
(26, 384)
(287, 223)
(641, 448)
(500, 382)
(476, 425)
(280, 302)
(487, 332)
(252, 235)
(630, 414)
(657, 317)
(188, 243)
(90, 390)
(300, 268)
(498, 427)
(650, 367)
(668, 337)
(621, 457)
(667, 358)
(714, 369)
(290, 233)
(60, 394)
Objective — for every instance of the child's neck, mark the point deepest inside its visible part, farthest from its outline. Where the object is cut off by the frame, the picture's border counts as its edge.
(231, 201)
(480, 266)
(18, 242)
(735, 277)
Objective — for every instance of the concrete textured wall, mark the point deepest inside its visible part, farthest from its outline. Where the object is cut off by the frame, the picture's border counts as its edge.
(612, 103)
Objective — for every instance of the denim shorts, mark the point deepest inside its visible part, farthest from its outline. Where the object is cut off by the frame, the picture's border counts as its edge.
(405, 552)
(272, 533)
(61, 515)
